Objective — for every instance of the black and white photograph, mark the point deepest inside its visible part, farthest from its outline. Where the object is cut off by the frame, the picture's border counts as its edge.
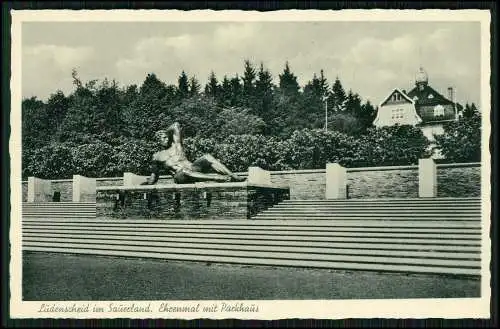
(250, 165)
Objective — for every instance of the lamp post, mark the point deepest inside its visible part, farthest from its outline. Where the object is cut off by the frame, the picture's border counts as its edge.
(325, 99)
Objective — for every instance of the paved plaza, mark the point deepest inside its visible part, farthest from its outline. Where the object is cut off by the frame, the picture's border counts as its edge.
(51, 276)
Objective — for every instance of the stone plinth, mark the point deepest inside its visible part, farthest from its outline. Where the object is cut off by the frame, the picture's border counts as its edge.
(258, 176)
(427, 178)
(84, 189)
(336, 181)
(188, 201)
(39, 190)
(130, 179)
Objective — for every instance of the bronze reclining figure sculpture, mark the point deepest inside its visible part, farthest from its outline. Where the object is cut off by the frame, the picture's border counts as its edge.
(174, 160)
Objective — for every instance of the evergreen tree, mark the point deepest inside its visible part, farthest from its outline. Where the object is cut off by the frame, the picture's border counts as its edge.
(288, 81)
(153, 86)
(194, 86)
(225, 92)
(338, 96)
(323, 84)
(470, 111)
(212, 87)
(236, 92)
(264, 92)
(249, 77)
(183, 85)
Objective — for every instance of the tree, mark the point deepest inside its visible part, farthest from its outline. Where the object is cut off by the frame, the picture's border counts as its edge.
(461, 141)
(183, 85)
(470, 111)
(338, 96)
(239, 121)
(194, 87)
(37, 130)
(212, 88)
(236, 91)
(392, 145)
(249, 77)
(288, 81)
(153, 86)
(264, 93)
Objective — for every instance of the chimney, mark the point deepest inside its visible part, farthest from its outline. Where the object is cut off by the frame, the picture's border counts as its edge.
(451, 98)
(450, 94)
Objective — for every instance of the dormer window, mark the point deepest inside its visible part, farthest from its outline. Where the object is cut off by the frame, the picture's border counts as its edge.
(438, 110)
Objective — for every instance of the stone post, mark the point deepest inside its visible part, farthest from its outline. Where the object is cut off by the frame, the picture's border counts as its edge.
(130, 179)
(258, 176)
(39, 190)
(84, 189)
(336, 181)
(427, 178)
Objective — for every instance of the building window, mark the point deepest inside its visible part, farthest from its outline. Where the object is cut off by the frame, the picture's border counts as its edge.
(397, 114)
(438, 110)
(431, 96)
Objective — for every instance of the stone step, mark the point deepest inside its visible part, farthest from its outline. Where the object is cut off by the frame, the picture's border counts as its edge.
(59, 212)
(385, 229)
(438, 234)
(300, 249)
(253, 236)
(385, 212)
(193, 241)
(269, 260)
(436, 199)
(58, 204)
(282, 206)
(262, 223)
(416, 217)
(268, 254)
(381, 203)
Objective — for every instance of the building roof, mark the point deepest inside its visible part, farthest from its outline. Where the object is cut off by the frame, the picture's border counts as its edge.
(405, 96)
(428, 96)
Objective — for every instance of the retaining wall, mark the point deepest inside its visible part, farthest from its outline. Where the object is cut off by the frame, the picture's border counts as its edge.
(454, 180)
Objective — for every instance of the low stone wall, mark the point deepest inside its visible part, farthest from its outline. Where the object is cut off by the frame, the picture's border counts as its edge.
(304, 184)
(189, 201)
(383, 182)
(458, 180)
(454, 180)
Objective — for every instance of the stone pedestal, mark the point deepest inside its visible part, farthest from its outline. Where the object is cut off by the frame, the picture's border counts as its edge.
(427, 178)
(258, 176)
(39, 190)
(130, 179)
(188, 201)
(84, 189)
(336, 181)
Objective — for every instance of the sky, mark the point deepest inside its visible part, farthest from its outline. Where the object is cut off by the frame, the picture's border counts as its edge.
(369, 58)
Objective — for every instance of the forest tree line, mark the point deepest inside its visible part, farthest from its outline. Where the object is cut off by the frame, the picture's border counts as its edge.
(102, 129)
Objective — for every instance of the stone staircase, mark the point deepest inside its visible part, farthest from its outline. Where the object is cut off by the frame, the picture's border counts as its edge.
(435, 236)
(58, 210)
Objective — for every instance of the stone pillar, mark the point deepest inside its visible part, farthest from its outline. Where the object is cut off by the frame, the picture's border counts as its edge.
(84, 189)
(258, 176)
(130, 179)
(39, 190)
(427, 178)
(336, 181)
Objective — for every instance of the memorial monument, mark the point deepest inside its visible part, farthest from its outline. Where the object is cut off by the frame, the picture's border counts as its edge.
(202, 189)
(173, 159)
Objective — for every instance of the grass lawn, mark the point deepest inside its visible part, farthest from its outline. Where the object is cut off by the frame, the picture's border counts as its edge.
(51, 276)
